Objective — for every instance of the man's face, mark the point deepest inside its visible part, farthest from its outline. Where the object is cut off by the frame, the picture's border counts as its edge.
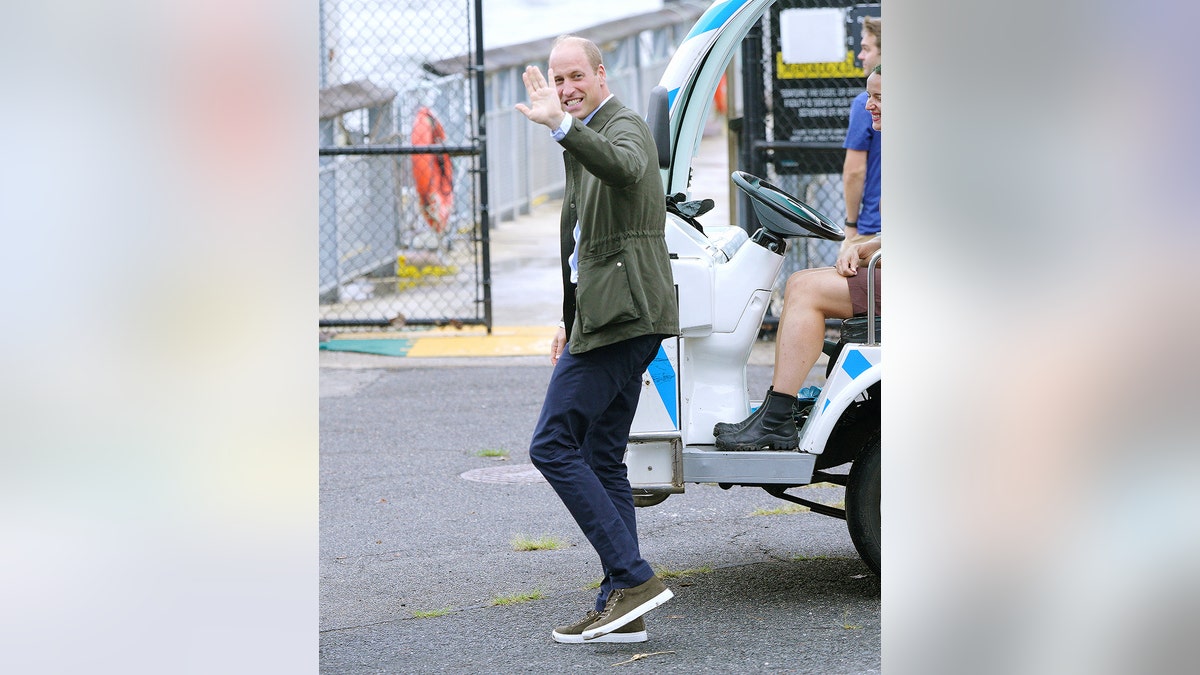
(580, 89)
(874, 104)
(869, 54)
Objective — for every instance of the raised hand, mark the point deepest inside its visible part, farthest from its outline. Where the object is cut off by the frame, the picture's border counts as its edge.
(544, 106)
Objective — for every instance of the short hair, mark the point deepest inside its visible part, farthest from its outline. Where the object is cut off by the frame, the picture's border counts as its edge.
(590, 50)
(874, 26)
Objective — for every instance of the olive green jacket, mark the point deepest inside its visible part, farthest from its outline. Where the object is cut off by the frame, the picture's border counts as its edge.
(615, 192)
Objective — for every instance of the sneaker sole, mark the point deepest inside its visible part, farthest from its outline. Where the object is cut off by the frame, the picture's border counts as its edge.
(577, 639)
(606, 629)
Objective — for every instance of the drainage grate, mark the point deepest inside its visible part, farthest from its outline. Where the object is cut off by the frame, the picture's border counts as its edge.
(519, 473)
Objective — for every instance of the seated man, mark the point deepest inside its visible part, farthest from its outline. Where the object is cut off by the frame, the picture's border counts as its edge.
(811, 296)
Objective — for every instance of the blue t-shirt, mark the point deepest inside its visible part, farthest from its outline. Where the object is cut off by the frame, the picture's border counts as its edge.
(860, 136)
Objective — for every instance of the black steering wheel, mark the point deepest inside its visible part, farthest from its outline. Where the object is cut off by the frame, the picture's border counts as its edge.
(783, 214)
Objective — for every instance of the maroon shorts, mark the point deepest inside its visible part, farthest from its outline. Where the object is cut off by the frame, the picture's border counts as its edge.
(858, 290)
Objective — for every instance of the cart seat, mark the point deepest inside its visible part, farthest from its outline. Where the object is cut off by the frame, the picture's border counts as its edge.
(854, 329)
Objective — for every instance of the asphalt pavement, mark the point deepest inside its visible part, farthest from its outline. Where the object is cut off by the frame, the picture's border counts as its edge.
(425, 484)
(415, 557)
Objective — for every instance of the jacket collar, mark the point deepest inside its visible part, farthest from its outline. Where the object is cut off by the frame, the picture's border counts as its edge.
(605, 113)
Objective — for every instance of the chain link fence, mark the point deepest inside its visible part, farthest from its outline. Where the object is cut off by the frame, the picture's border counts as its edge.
(402, 228)
(405, 233)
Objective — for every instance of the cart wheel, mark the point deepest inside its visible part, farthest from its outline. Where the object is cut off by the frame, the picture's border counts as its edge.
(862, 503)
(643, 498)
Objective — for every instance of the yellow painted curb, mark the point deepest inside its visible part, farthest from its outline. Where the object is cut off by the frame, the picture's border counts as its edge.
(504, 341)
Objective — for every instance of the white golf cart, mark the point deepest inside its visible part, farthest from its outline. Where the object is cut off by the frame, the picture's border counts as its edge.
(724, 280)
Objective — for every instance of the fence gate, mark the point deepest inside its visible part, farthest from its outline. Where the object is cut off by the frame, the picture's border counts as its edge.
(402, 164)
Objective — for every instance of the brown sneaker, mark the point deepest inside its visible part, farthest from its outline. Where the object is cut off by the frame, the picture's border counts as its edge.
(626, 605)
(634, 631)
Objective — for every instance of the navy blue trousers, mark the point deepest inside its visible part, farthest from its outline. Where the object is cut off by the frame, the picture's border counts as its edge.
(579, 446)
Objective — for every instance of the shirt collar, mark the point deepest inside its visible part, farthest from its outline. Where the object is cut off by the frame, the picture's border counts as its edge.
(589, 117)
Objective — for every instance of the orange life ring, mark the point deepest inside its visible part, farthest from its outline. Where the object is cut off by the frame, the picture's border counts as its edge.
(719, 99)
(433, 174)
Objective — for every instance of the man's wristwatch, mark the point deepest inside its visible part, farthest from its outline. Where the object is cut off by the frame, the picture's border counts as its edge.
(851, 223)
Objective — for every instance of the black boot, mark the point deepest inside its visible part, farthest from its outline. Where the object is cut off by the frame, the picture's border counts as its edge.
(775, 429)
(730, 427)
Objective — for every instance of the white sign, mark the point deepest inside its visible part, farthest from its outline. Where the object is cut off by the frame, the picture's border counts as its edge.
(812, 35)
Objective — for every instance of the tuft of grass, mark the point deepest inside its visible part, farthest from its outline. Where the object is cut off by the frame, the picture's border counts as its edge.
(781, 511)
(594, 586)
(517, 598)
(492, 452)
(846, 622)
(666, 573)
(522, 542)
(432, 613)
(822, 484)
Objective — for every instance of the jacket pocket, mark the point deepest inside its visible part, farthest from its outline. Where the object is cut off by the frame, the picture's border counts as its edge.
(605, 295)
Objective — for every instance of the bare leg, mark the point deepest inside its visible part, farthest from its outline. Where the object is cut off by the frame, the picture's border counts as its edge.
(810, 297)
